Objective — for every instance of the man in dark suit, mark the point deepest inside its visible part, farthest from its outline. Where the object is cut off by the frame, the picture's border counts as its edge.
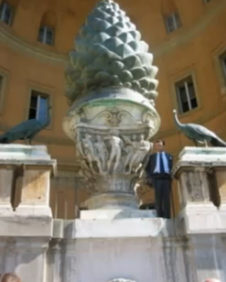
(158, 170)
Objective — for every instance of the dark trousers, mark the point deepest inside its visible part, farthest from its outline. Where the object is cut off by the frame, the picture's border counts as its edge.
(162, 188)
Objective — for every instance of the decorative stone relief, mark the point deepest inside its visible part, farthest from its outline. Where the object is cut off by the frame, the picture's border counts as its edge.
(114, 117)
(112, 141)
(112, 153)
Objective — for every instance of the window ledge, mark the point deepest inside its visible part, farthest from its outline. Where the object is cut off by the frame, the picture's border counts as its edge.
(48, 47)
(184, 115)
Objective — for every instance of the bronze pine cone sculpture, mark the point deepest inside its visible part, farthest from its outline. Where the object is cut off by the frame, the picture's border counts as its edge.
(109, 52)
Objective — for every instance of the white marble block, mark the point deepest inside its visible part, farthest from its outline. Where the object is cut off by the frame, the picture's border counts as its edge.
(202, 186)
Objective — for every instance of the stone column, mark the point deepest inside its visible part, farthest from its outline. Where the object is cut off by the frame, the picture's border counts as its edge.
(201, 186)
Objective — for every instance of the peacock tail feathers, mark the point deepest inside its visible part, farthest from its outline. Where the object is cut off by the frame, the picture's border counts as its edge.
(109, 52)
(217, 142)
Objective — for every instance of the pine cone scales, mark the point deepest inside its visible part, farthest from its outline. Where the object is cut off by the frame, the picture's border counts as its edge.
(109, 52)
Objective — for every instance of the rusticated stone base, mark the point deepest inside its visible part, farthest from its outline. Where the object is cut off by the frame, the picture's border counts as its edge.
(111, 128)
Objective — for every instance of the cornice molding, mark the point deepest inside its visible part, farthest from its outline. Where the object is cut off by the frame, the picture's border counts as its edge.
(181, 37)
(7, 37)
(184, 35)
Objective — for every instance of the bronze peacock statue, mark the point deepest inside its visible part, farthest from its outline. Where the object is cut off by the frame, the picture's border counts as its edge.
(25, 130)
(198, 133)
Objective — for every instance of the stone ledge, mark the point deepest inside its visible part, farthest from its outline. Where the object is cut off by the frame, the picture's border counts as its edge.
(18, 154)
(14, 225)
(203, 154)
(201, 158)
(117, 214)
(23, 152)
(123, 228)
(203, 219)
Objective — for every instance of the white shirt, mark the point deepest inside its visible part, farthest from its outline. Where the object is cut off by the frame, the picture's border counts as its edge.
(165, 163)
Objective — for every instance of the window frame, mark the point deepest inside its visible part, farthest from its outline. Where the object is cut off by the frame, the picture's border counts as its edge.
(38, 94)
(176, 78)
(175, 17)
(222, 59)
(217, 54)
(45, 37)
(45, 92)
(6, 3)
(185, 82)
(4, 88)
(1, 83)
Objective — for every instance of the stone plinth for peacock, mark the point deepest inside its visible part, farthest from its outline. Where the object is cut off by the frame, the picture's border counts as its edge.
(111, 91)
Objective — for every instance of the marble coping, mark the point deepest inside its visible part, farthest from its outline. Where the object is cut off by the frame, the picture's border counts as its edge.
(200, 157)
(122, 228)
(18, 154)
(23, 152)
(206, 154)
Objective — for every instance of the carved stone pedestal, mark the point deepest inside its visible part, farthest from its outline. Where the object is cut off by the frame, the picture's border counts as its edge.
(202, 187)
(111, 128)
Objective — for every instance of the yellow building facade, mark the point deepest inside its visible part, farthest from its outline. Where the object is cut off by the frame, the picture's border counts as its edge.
(187, 39)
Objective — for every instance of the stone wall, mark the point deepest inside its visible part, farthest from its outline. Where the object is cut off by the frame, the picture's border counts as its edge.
(38, 248)
(90, 253)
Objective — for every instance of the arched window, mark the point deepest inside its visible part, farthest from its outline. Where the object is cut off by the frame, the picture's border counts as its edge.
(172, 22)
(46, 35)
(6, 12)
(171, 15)
(47, 28)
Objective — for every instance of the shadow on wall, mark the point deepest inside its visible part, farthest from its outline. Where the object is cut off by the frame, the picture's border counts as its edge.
(26, 267)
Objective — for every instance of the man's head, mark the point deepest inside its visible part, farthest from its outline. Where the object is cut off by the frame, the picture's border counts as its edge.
(159, 145)
(9, 277)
